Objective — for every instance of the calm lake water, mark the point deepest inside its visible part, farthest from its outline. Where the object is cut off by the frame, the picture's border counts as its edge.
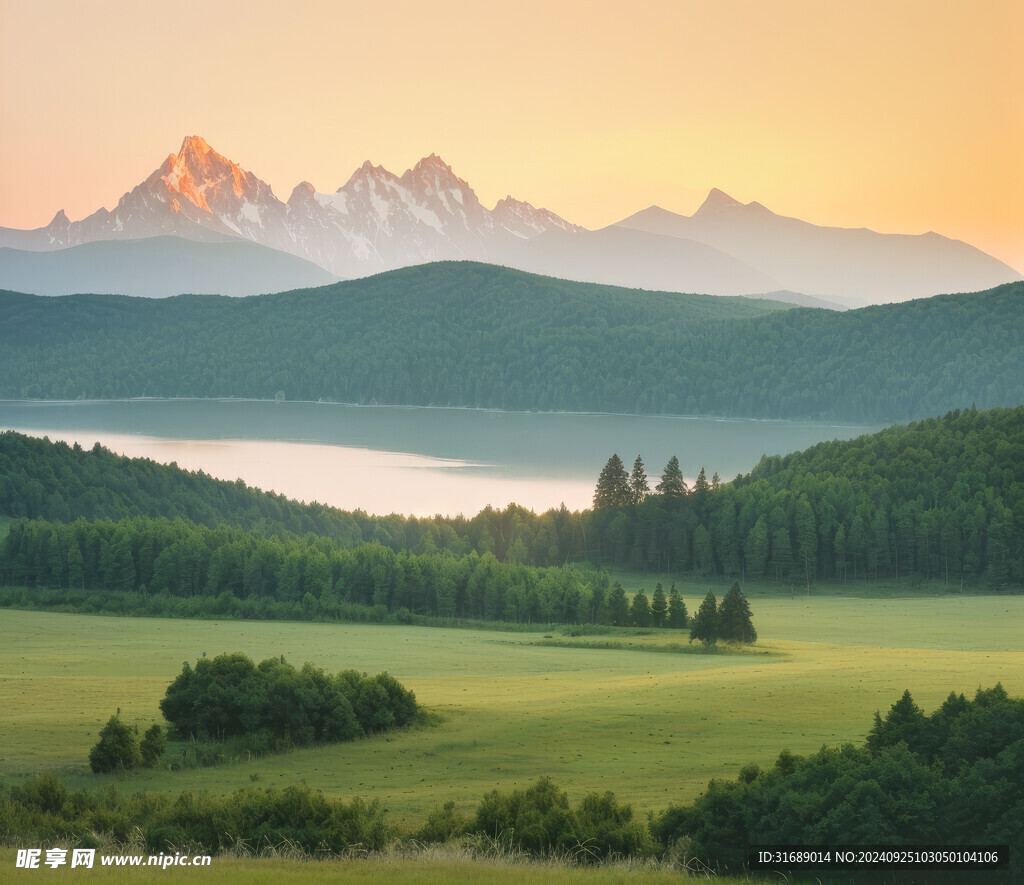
(421, 461)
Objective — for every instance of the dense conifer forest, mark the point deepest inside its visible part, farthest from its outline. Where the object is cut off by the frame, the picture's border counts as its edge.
(938, 500)
(465, 334)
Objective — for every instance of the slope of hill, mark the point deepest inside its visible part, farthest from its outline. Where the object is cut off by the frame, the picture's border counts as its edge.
(156, 267)
(477, 335)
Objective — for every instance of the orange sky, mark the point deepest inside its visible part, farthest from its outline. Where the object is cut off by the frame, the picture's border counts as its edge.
(901, 116)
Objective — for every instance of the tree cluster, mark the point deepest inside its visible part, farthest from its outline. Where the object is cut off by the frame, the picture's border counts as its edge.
(729, 621)
(475, 335)
(119, 747)
(950, 778)
(939, 500)
(229, 696)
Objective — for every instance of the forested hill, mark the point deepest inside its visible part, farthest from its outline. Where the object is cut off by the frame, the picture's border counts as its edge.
(476, 335)
(938, 499)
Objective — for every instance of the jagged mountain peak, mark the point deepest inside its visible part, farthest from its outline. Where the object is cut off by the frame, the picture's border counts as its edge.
(367, 172)
(304, 189)
(195, 144)
(432, 162)
(717, 200)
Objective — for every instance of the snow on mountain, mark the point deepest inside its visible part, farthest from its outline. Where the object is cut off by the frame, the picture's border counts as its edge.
(379, 221)
(376, 221)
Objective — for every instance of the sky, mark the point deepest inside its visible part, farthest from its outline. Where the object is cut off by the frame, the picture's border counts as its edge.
(902, 116)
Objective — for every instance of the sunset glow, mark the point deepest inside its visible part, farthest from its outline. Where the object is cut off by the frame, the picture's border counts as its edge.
(902, 118)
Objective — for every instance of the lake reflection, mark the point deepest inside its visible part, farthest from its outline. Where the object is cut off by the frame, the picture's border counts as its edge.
(421, 461)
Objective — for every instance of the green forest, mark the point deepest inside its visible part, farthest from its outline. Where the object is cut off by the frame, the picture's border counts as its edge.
(937, 500)
(465, 334)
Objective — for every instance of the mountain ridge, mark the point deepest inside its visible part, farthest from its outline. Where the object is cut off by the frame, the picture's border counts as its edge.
(380, 221)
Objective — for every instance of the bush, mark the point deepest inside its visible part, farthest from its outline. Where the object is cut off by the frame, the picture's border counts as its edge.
(152, 747)
(443, 824)
(117, 747)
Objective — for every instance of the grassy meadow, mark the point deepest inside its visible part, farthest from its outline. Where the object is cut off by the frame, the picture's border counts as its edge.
(652, 727)
(433, 867)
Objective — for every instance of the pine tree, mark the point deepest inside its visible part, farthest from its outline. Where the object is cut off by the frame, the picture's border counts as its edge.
(806, 539)
(839, 547)
(638, 481)
(678, 616)
(905, 721)
(613, 485)
(701, 491)
(672, 484)
(704, 624)
(734, 620)
(640, 610)
(757, 548)
(659, 607)
(618, 606)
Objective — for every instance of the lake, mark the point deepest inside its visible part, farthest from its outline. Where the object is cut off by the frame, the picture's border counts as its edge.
(412, 460)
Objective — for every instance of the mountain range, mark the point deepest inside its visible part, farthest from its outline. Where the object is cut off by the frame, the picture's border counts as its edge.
(379, 221)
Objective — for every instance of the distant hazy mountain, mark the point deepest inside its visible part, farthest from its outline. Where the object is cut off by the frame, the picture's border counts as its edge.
(380, 221)
(638, 260)
(159, 266)
(858, 264)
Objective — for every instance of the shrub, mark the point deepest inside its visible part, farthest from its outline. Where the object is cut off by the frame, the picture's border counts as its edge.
(117, 747)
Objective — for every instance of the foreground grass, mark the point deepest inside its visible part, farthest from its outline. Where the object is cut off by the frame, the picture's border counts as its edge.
(653, 728)
(440, 866)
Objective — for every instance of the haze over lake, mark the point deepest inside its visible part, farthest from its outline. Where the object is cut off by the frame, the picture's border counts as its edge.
(418, 461)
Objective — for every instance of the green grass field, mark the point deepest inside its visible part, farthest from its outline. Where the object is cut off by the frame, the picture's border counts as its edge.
(434, 867)
(653, 728)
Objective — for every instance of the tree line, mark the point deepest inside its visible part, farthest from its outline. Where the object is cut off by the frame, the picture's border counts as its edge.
(145, 565)
(939, 499)
(472, 335)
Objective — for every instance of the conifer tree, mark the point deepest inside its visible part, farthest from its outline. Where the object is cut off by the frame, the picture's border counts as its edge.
(734, 620)
(678, 616)
(659, 607)
(638, 481)
(640, 610)
(701, 491)
(704, 624)
(618, 606)
(905, 722)
(613, 485)
(672, 484)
